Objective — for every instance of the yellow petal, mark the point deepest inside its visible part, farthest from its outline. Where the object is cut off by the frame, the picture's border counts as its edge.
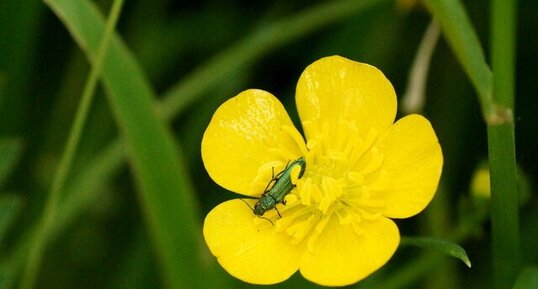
(343, 256)
(413, 160)
(248, 247)
(248, 133)
(335, 88)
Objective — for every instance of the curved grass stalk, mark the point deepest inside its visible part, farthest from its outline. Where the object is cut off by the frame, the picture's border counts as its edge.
(50, 213)
(496, 95)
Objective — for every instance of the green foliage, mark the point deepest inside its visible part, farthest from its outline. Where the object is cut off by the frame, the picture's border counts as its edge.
(130, 212)
(165, 191)
(446, 247)
(496, 97)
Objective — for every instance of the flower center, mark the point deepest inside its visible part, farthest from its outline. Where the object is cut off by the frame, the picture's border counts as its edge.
(343, 172)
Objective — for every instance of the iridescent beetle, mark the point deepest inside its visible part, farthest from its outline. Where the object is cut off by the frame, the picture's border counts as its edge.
(282, 186)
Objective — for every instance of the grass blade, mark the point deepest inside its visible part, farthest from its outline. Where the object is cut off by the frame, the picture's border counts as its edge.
(85, 187)
(49, 216)
(449, 248)
(504, 204)
(496, 100)
(462, 38)
(165, 192)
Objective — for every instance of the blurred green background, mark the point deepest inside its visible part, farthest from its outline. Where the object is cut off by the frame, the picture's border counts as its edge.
(203, 53)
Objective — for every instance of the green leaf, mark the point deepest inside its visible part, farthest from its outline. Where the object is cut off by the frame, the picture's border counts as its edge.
(464, 42)
(164, 188)
(10, 152)
(528, 278)
(10, 205)
(446, 247)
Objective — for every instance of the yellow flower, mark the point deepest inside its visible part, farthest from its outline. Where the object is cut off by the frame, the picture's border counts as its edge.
(361, 170)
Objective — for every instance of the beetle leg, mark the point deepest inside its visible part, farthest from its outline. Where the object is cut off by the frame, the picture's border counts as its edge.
(267, 187)
(273, 179)
(267, 220)
(278, 212)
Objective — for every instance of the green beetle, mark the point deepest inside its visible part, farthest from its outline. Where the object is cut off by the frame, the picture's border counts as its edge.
(282, 185)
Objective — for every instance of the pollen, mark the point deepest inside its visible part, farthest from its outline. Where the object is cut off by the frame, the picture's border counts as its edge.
(344, 170)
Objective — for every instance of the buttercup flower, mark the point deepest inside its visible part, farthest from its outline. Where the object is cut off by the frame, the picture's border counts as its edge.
(362, 169)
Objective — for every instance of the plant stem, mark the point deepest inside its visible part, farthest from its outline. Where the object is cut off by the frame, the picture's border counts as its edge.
(496, 98)
(501, 143)
(414, 96)
(503, 50)
(48, 219)
(504, 205)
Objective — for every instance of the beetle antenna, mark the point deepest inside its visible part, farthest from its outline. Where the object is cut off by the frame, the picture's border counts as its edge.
(247, 204)
(273, 179)
(267, 220)
(287, 164)
(257, 215)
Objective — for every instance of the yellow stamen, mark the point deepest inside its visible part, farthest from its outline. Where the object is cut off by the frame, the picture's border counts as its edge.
(343, 172)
